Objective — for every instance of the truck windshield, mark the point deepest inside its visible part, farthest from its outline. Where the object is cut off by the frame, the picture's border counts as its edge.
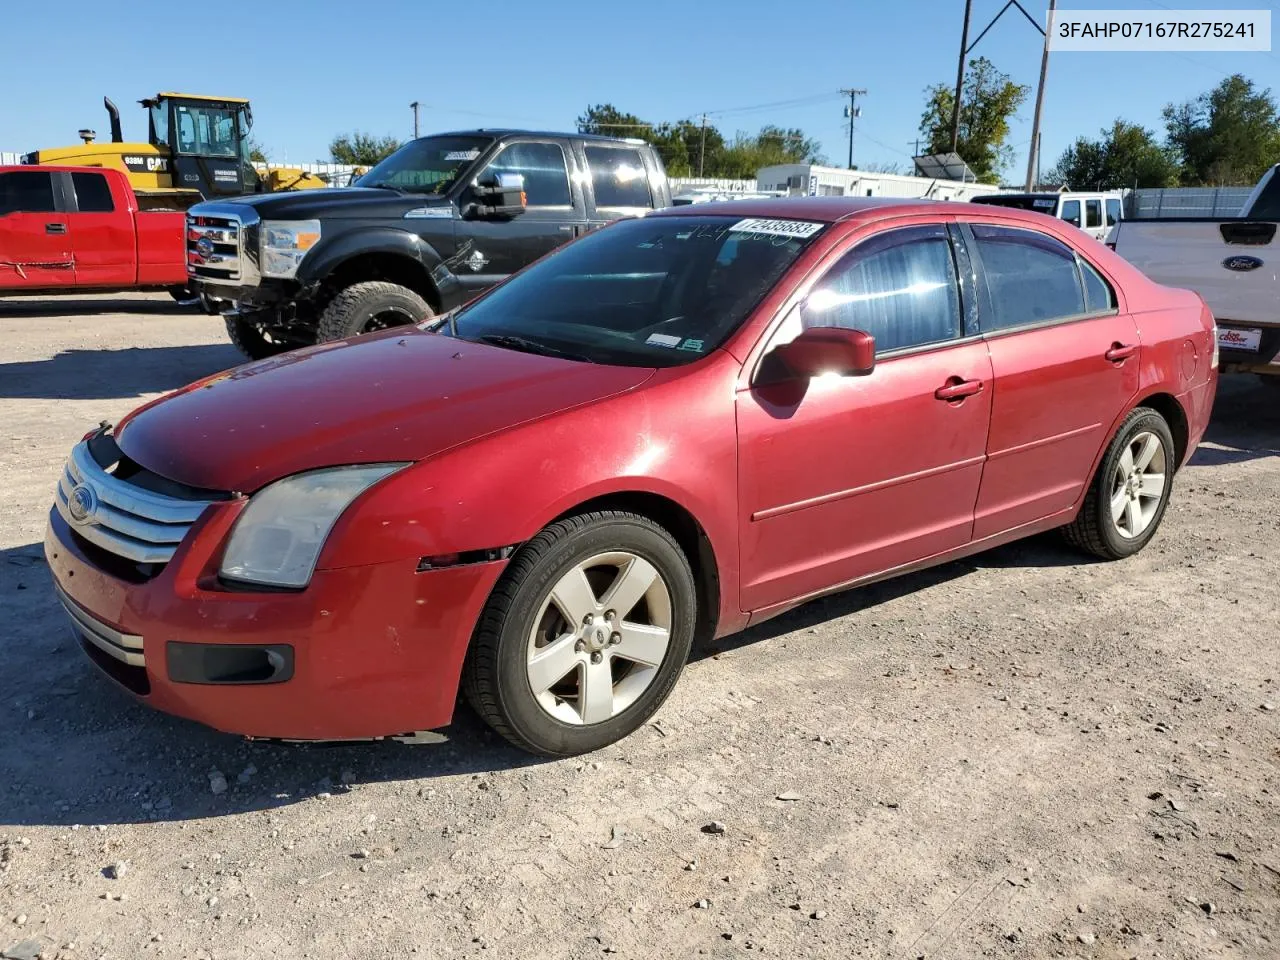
(429, 165)
(1022, 201)
(654, 292)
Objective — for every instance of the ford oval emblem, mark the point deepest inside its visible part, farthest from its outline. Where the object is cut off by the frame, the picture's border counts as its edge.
(204, 247)
(82, 504)
(1242, 263)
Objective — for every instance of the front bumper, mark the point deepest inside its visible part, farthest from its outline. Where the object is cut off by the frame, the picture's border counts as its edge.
(373, 650)
(267, 294)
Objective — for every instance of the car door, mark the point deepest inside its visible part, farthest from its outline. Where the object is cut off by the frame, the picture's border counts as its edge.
(619, 182)
(35, 249)
(844, 477)
(1066, 364)
(490, 250)
(102, 236)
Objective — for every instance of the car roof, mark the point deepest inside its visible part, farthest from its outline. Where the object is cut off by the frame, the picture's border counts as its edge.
(512, 132)
(835, 209)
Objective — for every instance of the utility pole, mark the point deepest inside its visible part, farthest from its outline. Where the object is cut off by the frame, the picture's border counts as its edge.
(702, 148)
(851, 112)
(955, 103)
(415, 106)
(1033, 159)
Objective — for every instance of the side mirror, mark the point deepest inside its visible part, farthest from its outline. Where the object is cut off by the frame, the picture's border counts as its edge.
(499, 196)
(819, 350)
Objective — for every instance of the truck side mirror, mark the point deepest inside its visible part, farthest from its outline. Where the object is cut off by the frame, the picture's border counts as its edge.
(499, 196)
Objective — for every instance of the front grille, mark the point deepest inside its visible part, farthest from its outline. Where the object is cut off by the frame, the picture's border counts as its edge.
(215, 247)
(119, 516)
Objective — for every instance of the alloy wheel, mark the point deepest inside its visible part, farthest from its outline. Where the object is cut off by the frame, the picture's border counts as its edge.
(1138, 484)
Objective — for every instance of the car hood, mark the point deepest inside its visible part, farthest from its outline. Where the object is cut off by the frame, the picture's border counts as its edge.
(400, 395)
(333, 203)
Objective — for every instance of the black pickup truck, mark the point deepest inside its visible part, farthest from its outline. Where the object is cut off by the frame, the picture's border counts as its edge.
(438, 221)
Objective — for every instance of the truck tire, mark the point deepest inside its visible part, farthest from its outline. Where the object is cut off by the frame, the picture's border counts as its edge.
(250, 339)
(1127, 497)
(184, 295)
(369, 306)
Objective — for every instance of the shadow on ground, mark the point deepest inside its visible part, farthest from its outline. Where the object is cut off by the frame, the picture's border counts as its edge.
(1245, 424)
(112, 374)
(67, 306)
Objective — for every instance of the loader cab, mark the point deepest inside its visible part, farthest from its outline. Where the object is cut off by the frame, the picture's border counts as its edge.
(208, 142)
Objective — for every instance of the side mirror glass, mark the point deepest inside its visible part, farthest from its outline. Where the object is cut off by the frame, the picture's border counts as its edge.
(819, 350)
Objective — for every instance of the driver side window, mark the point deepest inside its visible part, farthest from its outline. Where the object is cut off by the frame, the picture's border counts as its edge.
(546, 178)
(900, 286)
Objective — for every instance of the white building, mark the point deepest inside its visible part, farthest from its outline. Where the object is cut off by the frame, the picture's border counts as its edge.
(806, 179)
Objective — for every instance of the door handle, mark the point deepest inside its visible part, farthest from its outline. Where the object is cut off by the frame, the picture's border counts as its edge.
(1120, 352)
(957, 389)
(55, 228)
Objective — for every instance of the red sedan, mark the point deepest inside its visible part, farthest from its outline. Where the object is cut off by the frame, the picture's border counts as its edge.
(670, 429)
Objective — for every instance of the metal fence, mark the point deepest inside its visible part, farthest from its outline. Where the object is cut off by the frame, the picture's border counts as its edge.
(10, 159)
(1211, 203)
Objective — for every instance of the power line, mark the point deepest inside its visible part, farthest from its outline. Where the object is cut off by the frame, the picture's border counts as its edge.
(796, 102)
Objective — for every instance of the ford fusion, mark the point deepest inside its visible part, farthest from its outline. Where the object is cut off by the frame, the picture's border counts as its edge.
(670, 429)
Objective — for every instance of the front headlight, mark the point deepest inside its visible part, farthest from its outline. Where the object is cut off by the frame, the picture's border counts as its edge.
(285, 243)
(277, 539)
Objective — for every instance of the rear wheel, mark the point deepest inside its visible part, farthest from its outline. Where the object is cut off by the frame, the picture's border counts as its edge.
(585, 634)
(1128, 496)
(369, 306)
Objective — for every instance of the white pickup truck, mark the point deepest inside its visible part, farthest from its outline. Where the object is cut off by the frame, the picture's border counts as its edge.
(1233, 264)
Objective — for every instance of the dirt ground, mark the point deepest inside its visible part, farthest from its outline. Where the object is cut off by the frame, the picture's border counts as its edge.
(1026, 754)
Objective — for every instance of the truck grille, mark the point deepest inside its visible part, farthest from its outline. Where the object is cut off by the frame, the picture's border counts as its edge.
(120, 517)
(215, 248)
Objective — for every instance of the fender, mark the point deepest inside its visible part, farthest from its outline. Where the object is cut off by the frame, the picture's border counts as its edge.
(330, 254)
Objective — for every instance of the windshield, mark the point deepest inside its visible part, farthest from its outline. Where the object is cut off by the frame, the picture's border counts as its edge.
(210, 131)
(430, 165)
(656, 292)
(1023, 202)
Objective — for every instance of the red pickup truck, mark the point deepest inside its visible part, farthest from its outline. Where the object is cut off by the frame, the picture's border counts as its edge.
(79, 230)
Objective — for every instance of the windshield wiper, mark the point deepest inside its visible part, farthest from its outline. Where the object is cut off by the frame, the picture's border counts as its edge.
(525, 345)
(381, 186)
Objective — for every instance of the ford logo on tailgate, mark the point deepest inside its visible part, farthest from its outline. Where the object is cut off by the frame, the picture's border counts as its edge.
(1242, 263)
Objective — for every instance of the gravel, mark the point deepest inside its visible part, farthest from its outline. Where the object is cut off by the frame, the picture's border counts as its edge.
(1008, 813)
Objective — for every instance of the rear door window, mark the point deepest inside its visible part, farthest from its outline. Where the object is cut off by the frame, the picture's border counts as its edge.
(1071, 212)
(1093, 213)
(618, 177)
(1113, 211)
(93, 193)
(23, 191)
(1030, 277)
(899, 286)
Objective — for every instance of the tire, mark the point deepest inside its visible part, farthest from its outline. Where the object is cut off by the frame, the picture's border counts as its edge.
(524, 625)
(372, 305)
(251, 340)
(183, 295)
(1098, 529)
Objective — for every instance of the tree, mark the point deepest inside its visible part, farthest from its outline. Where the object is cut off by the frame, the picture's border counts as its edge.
(989, 99)
(362, 149)
(1125, 155)
(691, 149)
(256, 153)
(1228, 136)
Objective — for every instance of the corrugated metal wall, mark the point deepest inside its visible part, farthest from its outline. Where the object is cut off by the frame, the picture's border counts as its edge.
(1212, 203)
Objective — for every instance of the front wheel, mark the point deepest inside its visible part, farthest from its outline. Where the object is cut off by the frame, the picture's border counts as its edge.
(585, 634)
(1127, 498)
(369, 306)
(255, 340)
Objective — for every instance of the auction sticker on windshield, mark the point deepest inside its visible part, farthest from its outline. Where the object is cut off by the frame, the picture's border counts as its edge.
(778, 228)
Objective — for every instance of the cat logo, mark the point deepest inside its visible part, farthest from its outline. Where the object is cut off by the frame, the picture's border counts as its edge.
(139, 164)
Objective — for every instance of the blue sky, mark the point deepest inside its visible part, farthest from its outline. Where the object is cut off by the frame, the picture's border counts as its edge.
(333, 66)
